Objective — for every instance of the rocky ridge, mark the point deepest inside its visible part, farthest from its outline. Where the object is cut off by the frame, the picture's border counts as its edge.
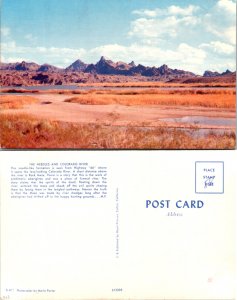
(214, 74)
(105, 70)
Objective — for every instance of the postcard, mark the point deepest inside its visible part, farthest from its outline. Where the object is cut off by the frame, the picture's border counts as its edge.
(102, 74)
(118, 225)
(118, 149)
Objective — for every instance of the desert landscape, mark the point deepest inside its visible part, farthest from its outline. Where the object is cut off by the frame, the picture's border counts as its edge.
(118, 74)
(116, 109)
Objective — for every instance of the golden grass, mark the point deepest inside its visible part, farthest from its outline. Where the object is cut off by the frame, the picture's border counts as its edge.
(156, 91)
(15, 102)
(18, 91)
(158, 84)
(23, 131)
(135, 84)
(203, 97)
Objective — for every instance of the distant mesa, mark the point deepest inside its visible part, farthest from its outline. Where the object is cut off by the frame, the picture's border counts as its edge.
(227, 72)
(214, 74)
(78, 65)
(132, 64)
(107, 67)
(79, 72)
(22, 66)
(164, 69)
(48, 68)
(210, 74)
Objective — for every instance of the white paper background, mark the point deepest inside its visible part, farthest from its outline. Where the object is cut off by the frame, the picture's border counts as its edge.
(69, 244)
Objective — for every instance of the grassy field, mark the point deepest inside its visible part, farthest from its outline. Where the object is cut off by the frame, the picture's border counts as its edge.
(23, 130)
(219, 98)
(159, 84)
(16, 102)
(190, 97)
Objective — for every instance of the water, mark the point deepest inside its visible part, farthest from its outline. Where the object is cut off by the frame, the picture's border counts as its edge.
(76, 87)
(196, 133)
(41, 88)
(200, 120)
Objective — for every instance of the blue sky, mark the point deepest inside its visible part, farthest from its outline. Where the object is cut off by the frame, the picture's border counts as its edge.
(188, 34)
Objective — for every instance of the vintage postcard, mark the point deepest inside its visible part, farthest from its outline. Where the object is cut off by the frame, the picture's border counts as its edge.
(110, 74)
(147, 75)
(118, 225)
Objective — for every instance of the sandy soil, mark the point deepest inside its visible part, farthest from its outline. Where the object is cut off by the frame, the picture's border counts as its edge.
(119, 115)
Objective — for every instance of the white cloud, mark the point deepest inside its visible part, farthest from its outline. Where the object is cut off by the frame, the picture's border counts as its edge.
(221, 66)
(219, 47)
(13, 47)
(230, 34)
(228, 5)
(5, 31)
(65, 52)
(221, 22)
(164, 23)
(157, 28)
(3, 59)
(172, 10)
(184, 56)
(10, 50)
(177, 33)
(9, 46)
(175, 22)
(146, 12)
(111, 50)
(191, 55)
(227, 34)
(41, 49)
(13, 59)
(187, 11)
